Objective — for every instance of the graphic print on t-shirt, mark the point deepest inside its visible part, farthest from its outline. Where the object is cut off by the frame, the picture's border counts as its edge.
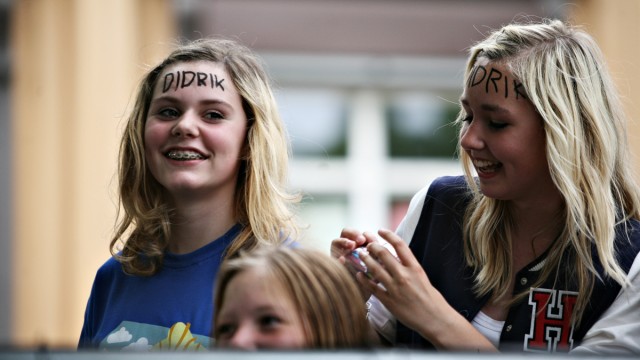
(133, 336)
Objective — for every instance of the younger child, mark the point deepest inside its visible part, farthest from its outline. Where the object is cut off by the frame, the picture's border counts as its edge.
(288, 298)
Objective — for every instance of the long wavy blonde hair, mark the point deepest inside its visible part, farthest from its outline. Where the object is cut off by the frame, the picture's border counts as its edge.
(263, 204)
(565, 77)
(321, 289)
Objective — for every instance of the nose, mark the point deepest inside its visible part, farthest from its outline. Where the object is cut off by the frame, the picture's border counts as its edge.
(244, 338)
(471, 136)
(186, 125)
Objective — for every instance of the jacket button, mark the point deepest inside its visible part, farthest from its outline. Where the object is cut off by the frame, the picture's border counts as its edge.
(508, 328)
(523, 281)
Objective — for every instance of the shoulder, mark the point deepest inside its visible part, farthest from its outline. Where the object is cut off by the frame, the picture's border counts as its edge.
(109, 270)
(450, 194)
(448, 186)
(447, 182)
(443, 190)
(440, 187)
(110, 265)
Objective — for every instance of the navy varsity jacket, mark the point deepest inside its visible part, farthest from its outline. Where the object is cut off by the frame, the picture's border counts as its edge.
(541, 321)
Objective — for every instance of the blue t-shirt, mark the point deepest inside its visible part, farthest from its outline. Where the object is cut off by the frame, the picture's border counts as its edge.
(171, 309)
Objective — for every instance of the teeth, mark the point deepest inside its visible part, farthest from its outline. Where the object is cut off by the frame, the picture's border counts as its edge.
(184, 155)
(485, 166)
(481, 163)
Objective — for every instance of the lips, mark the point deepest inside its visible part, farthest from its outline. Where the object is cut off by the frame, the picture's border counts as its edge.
(486, 166)
(184, 155)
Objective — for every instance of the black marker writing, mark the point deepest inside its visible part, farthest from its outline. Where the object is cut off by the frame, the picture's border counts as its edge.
(183, 79)
(494, 75)
(216, 83)
(202, 79)
(474, 75)
(479, 75)
(517, 86)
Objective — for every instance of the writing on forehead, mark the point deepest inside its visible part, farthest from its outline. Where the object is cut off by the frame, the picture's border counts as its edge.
(494, 81)
(182, 79)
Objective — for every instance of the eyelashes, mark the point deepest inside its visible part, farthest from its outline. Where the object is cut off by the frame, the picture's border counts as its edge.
(494, 125)
(173, 113)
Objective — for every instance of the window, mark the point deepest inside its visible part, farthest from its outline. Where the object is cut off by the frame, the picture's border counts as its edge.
(325, 216)
(316, 121)
(420, 124)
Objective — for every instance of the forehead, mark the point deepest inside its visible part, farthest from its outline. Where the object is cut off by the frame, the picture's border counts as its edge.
(197, 65)
(254, 279)
(494, 79)
(259, 287)
(194, 74)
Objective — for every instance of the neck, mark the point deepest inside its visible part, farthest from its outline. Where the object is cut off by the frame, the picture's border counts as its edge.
(197, 222)
(536, 226)
(534, 215)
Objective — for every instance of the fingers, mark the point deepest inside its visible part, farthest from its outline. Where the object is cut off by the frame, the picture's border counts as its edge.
(353, 235)
(404, 255)
(375, 267)
(402, 250)
(341, 247)
(348, 241)
(389, 259)
(383, 249)
(368, 286)
(382, 262)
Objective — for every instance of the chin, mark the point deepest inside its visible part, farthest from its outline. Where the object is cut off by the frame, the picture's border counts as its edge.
(491, 193)
(183, 187)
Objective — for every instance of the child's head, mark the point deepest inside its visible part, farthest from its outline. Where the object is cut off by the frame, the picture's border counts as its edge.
(266, 151)
(278, 297)
(562, 72)
(261, 201)
(576, 144)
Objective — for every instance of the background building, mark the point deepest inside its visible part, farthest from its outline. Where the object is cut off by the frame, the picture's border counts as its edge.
(368, 89)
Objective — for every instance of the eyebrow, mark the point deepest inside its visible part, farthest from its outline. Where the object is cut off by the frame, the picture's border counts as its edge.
(266, 308)
(487, 107)
(494, 108)
(174, 99)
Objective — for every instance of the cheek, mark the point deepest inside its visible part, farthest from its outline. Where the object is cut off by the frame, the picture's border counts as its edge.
(154, 136)
(241, 136)
(291, 339)
(537, 146)
(154, 133)
(298, 336)
(531, 155)
(232, 141)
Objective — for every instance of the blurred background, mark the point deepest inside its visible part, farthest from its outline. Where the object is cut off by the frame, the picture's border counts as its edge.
(368, 89)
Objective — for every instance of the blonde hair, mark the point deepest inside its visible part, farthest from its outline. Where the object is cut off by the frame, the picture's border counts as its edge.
(262, 204)
(565, 77)
(322, 290)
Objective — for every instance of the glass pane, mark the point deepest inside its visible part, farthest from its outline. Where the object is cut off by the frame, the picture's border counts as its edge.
(325, 217)
(421, 125)
(315, 120)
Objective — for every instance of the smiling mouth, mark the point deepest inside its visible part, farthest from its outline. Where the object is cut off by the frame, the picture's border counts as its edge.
(184, 155)
(486, 166)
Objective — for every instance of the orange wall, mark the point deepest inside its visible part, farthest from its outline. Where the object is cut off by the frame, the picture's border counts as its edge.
(75, 65)
(614, 24)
